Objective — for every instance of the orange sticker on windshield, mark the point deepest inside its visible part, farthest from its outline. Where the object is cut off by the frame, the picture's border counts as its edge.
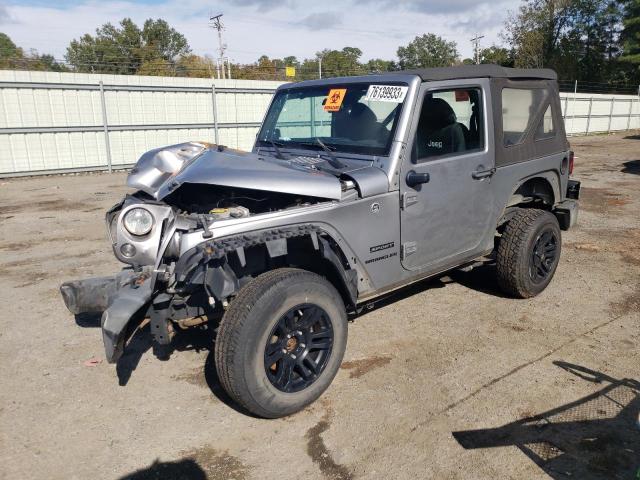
(334, 99)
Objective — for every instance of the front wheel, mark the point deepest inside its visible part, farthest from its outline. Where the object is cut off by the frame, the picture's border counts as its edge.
(281, 342)
(528, 253)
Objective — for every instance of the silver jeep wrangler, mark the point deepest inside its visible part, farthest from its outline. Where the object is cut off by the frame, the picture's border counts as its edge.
(355, 187)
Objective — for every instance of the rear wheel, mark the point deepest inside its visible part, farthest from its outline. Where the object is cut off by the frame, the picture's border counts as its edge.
(281, 342)
(528, 253)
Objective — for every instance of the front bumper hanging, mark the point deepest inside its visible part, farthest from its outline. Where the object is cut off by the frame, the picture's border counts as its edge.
(121, 298)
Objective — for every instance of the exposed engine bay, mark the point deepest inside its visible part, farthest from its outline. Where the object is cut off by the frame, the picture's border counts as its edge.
(230, 202)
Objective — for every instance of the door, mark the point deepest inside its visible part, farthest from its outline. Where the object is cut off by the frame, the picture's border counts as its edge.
(446, 193)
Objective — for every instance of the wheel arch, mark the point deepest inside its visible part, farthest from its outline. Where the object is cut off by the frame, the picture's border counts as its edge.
(540, 190)
(231, 262)
(543, 187)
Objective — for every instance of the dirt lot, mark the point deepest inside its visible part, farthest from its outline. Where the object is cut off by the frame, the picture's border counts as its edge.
(448, 380)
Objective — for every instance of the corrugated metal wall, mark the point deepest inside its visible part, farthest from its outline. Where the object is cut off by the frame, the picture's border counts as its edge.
(55, 121)
(58, 126)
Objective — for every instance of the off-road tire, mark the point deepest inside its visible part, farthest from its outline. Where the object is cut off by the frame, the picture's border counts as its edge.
(516, 248)
(248, 324)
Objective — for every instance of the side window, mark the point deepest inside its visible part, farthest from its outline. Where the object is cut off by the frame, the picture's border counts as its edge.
(451, 122)
(546, 128)
(518, 107)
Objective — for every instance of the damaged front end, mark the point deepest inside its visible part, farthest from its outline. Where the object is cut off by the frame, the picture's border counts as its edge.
(190, 242)
(138, 227)
(120, 298)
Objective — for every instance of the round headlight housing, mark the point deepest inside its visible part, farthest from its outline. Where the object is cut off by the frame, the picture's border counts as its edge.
(138, 221)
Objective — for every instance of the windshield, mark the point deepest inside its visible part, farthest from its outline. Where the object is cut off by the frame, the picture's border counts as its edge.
(355, 118)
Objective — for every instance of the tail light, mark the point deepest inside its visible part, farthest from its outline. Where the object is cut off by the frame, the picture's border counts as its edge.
(571, 162)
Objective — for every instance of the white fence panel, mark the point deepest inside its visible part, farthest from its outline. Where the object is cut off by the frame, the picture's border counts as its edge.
(52, 122)
(599, 113)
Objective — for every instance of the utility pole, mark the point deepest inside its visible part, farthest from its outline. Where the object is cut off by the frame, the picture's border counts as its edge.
(216, 23)
(320, 67)
(476, 47)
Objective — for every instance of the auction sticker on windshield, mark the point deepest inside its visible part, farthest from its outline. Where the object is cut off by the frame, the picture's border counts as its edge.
(386, 93)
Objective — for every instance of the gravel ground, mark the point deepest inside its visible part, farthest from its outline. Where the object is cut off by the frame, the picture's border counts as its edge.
(448, 379)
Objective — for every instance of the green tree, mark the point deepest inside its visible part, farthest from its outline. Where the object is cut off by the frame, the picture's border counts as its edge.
(159, 40)
(426, 51)
(577, 38)
(127, 49)
(268, 67)
(497, 55)
(341, 63)
(291, 61)
(48, 63)
(8, 50)
(195, 66)
(308, 69)
(380, 65)
(533, 31)
(14, 58)
(264, 68)
(112, 50)
(536, 29)
(11, 57)
(156, 67)
(631, 32)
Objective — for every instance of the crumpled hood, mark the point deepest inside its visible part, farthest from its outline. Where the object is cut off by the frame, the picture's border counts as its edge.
(159, 172)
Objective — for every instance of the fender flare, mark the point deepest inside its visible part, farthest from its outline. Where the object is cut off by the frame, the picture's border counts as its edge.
(276, 244)
(348, 277)
(551, 177)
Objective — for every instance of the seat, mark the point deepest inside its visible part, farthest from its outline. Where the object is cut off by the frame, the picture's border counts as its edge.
(468, 136)
(359, 123)
(439, 133)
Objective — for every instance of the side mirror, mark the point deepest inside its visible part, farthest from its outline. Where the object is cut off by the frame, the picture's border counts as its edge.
(414, 179)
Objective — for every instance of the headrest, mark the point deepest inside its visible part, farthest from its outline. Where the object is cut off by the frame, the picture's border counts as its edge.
(436, 114)
(362, 113)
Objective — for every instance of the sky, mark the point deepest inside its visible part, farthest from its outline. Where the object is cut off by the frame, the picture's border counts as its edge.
(276, 28)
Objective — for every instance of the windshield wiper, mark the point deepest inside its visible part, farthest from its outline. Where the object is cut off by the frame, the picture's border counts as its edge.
(276, 146)
(332, 160)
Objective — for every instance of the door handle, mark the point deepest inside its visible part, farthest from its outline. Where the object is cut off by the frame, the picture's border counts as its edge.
(479, 174)
(414, 179)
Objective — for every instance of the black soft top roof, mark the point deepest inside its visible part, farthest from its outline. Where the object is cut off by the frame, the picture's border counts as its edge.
(482, 71)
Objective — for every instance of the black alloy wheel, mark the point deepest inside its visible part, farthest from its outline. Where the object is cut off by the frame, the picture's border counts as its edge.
(543, 256)
(281, 342)
(528, 252)
(298, 348)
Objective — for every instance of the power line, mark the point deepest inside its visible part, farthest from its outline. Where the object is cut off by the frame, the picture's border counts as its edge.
(254, 71)
(476, 47)
(222, 47)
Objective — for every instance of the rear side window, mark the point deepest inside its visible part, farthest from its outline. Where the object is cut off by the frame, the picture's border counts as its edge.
(546, 128)
(519, 105)
(517, 108)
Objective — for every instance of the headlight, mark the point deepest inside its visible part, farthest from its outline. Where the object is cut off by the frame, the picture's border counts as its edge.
(138, 221)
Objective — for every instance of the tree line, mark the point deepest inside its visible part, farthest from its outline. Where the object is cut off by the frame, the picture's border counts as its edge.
(595, 41)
